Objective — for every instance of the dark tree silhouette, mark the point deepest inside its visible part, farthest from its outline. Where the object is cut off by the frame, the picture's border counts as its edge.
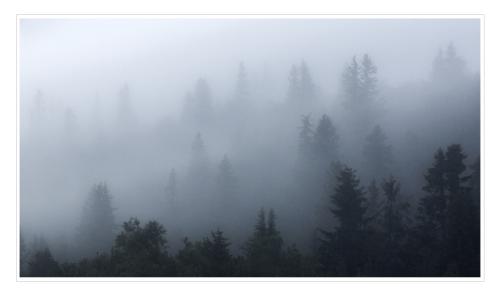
(264, 249)
(346, 241)
(395, 229)
(141, 251)
(448, 215)
(42, 264)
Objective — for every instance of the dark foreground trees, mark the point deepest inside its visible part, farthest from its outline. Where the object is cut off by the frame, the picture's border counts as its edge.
(372, 233)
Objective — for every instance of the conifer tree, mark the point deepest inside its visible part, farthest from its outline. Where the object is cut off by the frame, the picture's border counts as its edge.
(43, 264)
(264, 249)
(307, 87)
(306, 134)
(325, 142)
(141, 251)
(293, 93)
(348, 207)
(351, 86)
(368, 80)
(96, 229)
(216, 251)
(448, 66)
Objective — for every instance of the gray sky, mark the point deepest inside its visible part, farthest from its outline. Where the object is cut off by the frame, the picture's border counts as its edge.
(73, 59)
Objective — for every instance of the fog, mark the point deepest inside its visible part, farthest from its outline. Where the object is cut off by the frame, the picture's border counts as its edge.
(127, 102)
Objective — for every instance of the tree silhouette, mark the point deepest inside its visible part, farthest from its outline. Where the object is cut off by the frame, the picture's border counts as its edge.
(348, 207)
(264, 249)
(96, 229)
(325, 142)
(141, 251)
(42, 264)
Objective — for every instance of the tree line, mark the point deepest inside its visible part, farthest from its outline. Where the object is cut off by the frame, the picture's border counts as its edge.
(375, 232)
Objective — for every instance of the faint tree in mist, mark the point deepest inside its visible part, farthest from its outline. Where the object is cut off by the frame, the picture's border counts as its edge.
(96, 230)
(378, 154)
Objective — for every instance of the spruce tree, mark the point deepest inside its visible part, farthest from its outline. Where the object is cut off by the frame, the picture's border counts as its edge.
(325, 142)
(216, 251)
(141, 250)
(306, 134)
(368, 80)
(346, 241)
(96, 229)
(43, 264)
(264, 248)
(307, 87)
(351, 85)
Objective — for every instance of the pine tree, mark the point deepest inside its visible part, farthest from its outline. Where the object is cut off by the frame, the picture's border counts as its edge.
(448, 222)
(348, 201)
(368, 80)
(42, 264)
(346, 241)
(448, 66)
(351, 86)
(96, 229)
(306, 134)
(216, 250)
(302, 91)
(360, 91)
(264, 249)
(275, 240)
(307, 87)
(141, 251)
(395, 229)
(373, 204)
(325, 142)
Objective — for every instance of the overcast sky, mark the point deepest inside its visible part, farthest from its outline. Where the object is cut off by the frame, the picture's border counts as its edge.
(73, 59)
